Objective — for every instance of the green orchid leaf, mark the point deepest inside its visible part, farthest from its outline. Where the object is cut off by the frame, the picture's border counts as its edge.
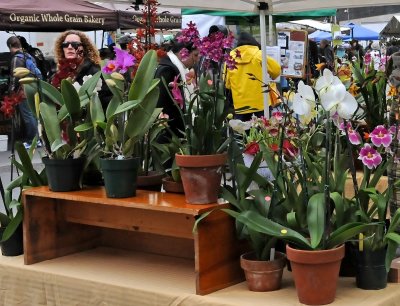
(258, 223)
(50, 121)
(316, 218)
(144, 77)
(83, 127)
(71, 100)
(347, 232)
(12, 226)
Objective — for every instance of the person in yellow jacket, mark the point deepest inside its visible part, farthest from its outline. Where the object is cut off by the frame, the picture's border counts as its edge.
(245, 91)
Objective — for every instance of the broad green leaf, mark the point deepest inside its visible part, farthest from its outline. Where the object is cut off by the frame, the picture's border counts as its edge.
(316, 218)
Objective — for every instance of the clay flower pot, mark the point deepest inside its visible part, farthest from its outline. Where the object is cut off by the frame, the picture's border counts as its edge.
(315, 274)
(201, 176)
(263, 275)
(170, 185)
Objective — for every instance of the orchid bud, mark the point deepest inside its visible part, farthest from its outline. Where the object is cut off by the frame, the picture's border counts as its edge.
(111, 83)
(28, 80)
(117, 76)
(21, 72)
(229, 116)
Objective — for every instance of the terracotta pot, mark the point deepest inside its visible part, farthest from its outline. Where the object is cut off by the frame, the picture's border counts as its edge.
(201, 176)
(151, 181)
(263, 275)
(315, 274)
(171, 186)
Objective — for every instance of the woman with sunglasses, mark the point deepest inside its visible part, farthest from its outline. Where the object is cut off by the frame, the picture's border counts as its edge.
(77, 57)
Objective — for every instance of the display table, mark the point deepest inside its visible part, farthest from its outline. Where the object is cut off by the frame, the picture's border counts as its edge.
(107, 276)
(61, 223)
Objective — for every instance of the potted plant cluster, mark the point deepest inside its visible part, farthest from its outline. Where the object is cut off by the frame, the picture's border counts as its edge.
(129, 116)
(307, 205)
(58, 113)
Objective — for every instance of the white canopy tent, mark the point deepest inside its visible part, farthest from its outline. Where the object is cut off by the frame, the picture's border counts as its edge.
(318, 25)
(266, 7)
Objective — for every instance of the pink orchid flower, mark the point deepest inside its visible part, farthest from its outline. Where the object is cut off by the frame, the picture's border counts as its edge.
(381, 136)
(277, 115)
(123, 60)
(370, 157)
(176, 92)
(354, 136)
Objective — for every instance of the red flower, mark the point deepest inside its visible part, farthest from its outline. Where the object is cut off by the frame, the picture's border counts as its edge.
(289, 149)
(252, 148)
(9, 103)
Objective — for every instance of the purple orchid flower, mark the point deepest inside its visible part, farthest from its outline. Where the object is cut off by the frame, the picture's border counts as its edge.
(123, 60)
(354, 136)
(369, 156)
(176, 92)
(381, 136)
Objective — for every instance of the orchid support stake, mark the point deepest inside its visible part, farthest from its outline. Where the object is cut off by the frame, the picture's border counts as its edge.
(326, 179)
(303, 166)
(352, 167)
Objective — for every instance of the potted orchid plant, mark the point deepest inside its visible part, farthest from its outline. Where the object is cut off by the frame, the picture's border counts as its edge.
(205, 126)
(58, 113)
(128, 117)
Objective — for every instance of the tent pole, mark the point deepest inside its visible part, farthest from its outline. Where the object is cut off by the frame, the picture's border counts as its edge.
(263, 7)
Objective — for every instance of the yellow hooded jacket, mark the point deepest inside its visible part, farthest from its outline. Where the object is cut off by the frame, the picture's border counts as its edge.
(247, 92)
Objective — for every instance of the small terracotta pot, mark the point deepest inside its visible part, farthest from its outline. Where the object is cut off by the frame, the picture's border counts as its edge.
(315, 274)
(151, 181)
(171, 186)
(263, 275)
(201, 176)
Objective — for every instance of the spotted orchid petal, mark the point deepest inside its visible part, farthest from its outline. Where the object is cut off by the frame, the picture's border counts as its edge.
(370, 157)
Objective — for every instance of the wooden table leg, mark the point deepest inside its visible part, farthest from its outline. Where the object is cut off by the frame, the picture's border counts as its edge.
(47, 235)
(217, 253)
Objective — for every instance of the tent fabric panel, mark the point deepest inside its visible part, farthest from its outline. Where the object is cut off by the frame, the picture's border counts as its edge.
(55, 16)
(313, 13)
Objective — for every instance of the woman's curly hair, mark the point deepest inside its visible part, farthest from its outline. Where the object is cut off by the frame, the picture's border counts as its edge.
(89, 49)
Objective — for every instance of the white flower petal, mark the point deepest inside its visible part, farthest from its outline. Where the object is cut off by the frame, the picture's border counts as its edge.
(329, 100)
(307, 92)
(347, 106)
(300, 105)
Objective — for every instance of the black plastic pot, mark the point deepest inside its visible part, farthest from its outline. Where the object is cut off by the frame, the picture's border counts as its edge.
(64, 174)
(14, 245)
(371, 271)
(120, 176)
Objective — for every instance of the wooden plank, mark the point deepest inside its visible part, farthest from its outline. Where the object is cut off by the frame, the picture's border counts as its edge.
(129, 218)
(48, 236)
(144, 199)
(217, 253)
(149, 243)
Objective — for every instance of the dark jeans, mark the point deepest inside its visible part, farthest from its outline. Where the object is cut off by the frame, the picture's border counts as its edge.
(30, 122)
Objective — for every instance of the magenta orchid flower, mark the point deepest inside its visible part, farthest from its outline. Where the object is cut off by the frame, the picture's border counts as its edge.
(277, 115)
(176, 92)
(381, 136)
(354, 136)
(370, 157)
(123, 60)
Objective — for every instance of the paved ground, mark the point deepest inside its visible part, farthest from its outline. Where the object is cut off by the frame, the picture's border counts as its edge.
(5, 169)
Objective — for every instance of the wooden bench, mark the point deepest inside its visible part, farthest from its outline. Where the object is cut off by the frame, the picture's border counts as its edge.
(61, 223)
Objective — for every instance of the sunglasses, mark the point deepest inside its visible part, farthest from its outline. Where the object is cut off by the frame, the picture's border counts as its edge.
(74, 44)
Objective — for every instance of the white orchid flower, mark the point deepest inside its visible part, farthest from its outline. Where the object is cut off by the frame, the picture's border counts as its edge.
(335, 98)
(303, 100)
(239, 126)
(326, 80)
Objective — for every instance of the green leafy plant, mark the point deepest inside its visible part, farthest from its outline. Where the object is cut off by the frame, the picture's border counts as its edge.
(59, 112)
(128, 117)
(28, 177)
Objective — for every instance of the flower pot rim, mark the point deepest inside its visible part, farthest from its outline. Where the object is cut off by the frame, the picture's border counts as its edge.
(197, 161)
(278, 257)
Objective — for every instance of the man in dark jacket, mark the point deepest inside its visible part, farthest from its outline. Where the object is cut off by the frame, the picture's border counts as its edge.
(174, 67)
(29, 119)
